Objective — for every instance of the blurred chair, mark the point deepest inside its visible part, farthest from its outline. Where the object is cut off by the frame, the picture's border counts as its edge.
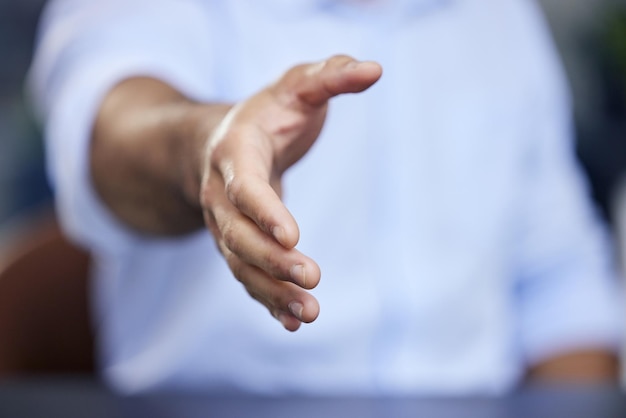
(45, 325)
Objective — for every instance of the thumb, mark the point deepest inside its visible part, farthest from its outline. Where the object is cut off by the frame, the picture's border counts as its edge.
(314, 84)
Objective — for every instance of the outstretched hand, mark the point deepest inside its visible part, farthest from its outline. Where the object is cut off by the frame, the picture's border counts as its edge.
(240, 195)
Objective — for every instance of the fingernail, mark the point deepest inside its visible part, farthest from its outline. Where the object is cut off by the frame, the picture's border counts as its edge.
(296, 309)
(298, 274)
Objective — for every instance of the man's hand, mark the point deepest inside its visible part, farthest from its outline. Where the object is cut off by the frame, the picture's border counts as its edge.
(167, 165)
(241, 182)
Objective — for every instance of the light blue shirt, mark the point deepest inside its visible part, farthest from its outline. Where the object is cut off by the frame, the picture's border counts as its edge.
(444, 205)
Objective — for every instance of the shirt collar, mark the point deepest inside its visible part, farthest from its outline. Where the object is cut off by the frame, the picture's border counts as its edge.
(401, 7)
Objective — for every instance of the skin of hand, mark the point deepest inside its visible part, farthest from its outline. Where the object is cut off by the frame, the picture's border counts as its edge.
(240, 192)
(166, 165)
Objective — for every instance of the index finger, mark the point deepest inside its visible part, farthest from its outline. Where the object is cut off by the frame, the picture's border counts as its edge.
(247, 185)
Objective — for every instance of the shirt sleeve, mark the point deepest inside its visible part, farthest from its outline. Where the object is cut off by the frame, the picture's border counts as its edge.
(85, 48)
(569, 293)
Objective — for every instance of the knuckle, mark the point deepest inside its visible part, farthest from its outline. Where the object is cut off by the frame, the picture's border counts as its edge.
(295, 71)
(340, 58)
(234, 188)
(231, 237)
(266, 226)
(272, 263)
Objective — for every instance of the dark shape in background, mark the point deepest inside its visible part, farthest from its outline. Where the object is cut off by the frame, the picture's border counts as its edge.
(23, 184)
(602, 135)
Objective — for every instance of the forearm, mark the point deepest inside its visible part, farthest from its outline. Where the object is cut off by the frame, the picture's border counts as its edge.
(146, 151)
